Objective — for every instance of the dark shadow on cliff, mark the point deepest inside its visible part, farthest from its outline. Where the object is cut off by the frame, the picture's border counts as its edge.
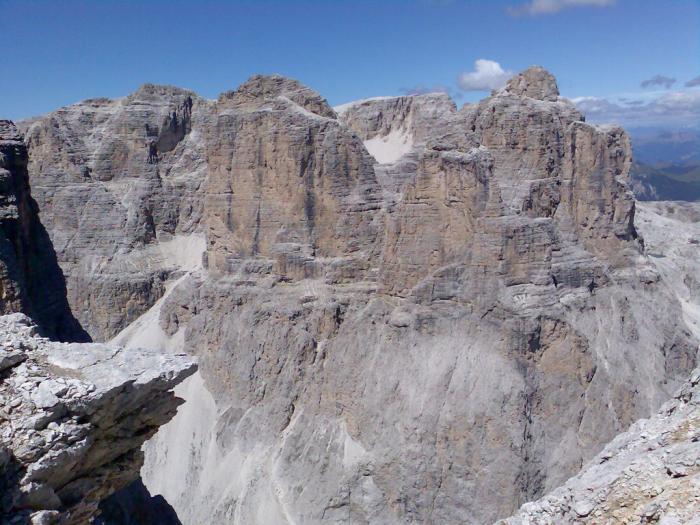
(31, 281)
(50, 303)
(134, 505)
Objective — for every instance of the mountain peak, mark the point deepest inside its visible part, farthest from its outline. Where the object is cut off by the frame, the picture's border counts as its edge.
(535, 82)
(259, 88)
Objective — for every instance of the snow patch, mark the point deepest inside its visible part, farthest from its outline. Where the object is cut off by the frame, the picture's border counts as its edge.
(183, 251)
(390, 148)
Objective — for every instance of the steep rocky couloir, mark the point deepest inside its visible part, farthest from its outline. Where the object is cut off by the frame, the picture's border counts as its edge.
(435, 336)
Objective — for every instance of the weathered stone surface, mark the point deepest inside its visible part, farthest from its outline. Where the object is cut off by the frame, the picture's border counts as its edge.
(25, 249)
(73, 418)
(288, 185)
(648, 474)
(435, 338)
(107, 207)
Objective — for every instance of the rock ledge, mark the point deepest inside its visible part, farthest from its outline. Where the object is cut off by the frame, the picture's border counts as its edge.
(73, 418)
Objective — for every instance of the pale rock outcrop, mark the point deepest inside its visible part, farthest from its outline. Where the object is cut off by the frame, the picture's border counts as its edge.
(73, 417)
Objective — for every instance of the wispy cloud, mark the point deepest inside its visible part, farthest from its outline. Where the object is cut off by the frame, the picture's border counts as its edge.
(677, 108)
(693, 82)
(487, 75)
(549, 7)
(658, 80)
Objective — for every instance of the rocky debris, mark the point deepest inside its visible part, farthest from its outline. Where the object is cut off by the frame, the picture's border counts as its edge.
(436, 338)
(648, 474)
(73, 417)
(25, 248)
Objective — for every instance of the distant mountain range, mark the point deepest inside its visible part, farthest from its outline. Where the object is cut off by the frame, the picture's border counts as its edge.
(667, 164)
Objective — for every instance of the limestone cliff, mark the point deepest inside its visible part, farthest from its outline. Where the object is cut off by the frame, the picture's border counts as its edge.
(73, 416)
(118, 186)
(437, 336)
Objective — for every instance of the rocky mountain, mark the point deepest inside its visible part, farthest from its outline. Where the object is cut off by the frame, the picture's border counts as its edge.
(648, 474)
(651, 472)
(677, 183)
(403, 312)
(103, 201)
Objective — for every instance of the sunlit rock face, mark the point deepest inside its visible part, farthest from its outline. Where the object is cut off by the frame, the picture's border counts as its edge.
(73, 419)
(405, 313)
(288, 186)
(649, 473)
(117, 219)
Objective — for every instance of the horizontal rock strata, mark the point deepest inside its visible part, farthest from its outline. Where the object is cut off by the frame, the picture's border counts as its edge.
(405, 312)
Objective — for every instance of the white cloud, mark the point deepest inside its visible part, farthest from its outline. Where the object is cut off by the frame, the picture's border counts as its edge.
(677, 108)
(548, 7)
(487, 75)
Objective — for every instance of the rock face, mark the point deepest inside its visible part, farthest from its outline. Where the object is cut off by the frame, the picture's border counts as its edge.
(25, 248)
(648, 474)
(118, 186)
(73, 418)
(435, 337)
(672, 237)
(287, 184)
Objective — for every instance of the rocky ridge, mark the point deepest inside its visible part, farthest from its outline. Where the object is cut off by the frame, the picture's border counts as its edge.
(120, 218)
(437, 336)
(73, 417)
(648, 474)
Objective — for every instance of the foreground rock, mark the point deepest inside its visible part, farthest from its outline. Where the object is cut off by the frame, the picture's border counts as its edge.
(648, 474)
(73, 418)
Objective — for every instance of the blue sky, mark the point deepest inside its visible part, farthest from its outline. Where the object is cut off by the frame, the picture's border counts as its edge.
(57, 53)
